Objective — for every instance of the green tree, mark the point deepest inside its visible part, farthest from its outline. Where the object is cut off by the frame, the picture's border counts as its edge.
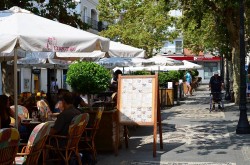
(214, 24)
(63, 11)
(88, 78)
(140, 23)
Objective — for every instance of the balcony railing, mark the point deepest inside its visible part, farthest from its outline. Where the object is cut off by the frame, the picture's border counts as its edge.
(96, 25)
(176, 50)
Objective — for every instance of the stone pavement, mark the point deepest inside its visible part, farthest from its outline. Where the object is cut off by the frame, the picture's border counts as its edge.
(191, 136)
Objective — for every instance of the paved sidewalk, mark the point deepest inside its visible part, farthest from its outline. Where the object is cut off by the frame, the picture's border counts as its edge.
(191, 136)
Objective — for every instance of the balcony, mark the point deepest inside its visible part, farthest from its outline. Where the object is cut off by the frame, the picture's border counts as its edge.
(96, 25)
(172, 50)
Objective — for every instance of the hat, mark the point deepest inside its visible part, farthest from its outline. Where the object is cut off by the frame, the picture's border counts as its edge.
(215, 72)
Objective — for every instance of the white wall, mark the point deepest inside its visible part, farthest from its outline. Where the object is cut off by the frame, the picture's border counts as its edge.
(59, 77)
(26, 76)
(201, 72)
(1, 84)
(43, 80)
(89, 4)
(170, 46)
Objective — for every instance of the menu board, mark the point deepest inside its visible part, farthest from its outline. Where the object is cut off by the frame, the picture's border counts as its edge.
(137, 99)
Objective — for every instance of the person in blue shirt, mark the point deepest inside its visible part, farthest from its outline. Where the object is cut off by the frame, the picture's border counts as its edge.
(188, 77)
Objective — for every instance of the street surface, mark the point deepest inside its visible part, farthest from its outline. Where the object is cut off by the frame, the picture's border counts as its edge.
(191, 136)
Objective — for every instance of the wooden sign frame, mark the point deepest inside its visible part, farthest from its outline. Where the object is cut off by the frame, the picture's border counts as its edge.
(138, 104)
(137, 99)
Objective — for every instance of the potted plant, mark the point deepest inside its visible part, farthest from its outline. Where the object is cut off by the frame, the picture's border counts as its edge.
(91, 78)
(88, 78)
(141, 72)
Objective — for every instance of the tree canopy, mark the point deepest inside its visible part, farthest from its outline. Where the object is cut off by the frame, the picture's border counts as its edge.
(140, 23)
(62, 11)
(204, 25)
(214, 24)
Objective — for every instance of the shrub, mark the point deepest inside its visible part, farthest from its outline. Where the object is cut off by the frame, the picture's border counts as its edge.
(170, 76)
(141, 72)
(162, 79)
(194, 73)
(88, 77)
(174, 75)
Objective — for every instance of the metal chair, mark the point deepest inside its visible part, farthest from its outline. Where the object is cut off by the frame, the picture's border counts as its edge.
(87, 142)
(9, 140)
(66, 146)
(31, 151)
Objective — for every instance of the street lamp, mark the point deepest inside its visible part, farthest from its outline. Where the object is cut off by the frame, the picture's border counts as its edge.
(243, 126)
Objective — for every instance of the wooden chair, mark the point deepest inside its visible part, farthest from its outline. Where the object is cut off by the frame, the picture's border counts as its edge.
(9, 140)
(66, 146)
(31, 151)
(87, 142)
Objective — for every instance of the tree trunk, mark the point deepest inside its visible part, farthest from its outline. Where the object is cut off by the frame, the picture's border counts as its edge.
(232, 22)
(230, 71)
(7, 78)
(236, 75)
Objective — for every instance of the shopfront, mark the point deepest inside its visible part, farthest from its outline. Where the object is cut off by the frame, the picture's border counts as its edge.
(210, 64)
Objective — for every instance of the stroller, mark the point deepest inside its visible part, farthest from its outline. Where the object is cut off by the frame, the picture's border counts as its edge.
(216, 98)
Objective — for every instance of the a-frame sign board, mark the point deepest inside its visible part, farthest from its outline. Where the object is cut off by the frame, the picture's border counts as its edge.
(138, 103)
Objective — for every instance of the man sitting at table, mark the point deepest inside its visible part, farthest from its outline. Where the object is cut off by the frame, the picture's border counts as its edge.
(63, 121)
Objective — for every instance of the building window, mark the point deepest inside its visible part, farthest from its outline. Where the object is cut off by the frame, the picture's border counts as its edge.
(209, 68)
(84, 14)
(178, 47)
(94, 22)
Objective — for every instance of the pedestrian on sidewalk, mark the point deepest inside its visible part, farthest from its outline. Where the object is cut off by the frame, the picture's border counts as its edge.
(188, 77)
(216, 84)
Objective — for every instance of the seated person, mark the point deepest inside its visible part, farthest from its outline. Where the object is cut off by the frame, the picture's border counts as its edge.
(64, 118)
(80, 100)
(43, 107)
(23, 113)
(6, 113)
(58, 105)
(114, 81)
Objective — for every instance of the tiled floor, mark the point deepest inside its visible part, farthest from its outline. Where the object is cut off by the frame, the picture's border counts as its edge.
(193, 135)
(178, 163)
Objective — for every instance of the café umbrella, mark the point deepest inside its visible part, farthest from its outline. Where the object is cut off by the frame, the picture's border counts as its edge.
(22, 29)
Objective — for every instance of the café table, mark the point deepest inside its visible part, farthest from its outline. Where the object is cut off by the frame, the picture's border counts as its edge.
(30, 124)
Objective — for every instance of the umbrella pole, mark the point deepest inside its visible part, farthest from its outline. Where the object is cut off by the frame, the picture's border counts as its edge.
(31, 76)
(61, 78)
(15, 87)
(1, 84)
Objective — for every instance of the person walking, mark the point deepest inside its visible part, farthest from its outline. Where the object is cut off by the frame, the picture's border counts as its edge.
(216, 84)
(188, 77)
(53, 86)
